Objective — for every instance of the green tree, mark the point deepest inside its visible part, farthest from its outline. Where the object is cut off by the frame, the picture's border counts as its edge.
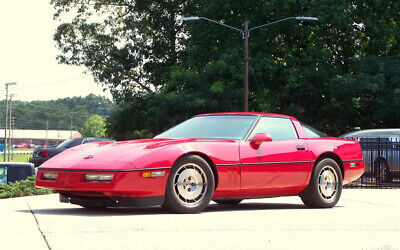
(57, 114)
(161, 71)
(95, 126)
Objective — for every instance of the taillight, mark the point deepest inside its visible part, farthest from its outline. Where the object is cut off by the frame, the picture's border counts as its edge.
(44, 153)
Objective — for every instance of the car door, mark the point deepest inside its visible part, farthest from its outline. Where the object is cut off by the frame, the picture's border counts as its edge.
(280, 166)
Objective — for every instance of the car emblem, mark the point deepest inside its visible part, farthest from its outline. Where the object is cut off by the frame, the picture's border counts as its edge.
(88, 157)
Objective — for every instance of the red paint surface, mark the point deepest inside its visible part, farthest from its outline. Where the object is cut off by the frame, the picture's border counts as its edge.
(281, 168)
(274, 166)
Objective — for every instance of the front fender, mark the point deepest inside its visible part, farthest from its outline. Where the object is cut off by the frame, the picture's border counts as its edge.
(224, 156)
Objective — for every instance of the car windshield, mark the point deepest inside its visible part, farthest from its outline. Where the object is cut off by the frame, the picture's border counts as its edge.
(69, 143)
(230, 127)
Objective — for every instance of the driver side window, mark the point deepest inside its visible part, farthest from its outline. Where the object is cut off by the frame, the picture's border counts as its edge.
(278, 128)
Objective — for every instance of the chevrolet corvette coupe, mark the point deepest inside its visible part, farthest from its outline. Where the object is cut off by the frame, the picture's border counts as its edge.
(225, 157)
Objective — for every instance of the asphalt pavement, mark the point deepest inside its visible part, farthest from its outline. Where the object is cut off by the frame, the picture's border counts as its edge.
(363, 219)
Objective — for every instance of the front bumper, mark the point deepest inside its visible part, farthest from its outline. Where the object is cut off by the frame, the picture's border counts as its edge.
(111, 201)
(124, 183)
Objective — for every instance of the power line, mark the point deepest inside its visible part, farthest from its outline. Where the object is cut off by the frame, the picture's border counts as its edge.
(329, 60)
(17, 106)
(50, 83)
(211, 36)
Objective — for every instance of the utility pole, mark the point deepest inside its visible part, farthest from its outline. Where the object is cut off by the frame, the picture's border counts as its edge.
(47, 128)
(72, 119)
(246, 67)
(5, 128)
(9, 131)
(12, 136)
(58, 136)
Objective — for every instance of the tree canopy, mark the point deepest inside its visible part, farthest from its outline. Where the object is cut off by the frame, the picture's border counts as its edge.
(337, 74)
(95, 126)
(57, 114)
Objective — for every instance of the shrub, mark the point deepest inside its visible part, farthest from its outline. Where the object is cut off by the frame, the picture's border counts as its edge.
(22, 188)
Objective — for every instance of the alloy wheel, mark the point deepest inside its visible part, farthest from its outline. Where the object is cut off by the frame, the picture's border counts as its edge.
(327, 183)
(190, 184)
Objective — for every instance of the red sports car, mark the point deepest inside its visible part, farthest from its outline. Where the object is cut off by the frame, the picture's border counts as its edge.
(22, 145)
(225, 157)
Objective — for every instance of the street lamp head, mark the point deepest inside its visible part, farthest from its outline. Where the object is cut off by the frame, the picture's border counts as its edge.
(191, 18)
(306, 19)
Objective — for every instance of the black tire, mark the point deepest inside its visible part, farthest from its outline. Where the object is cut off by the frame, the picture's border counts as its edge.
(228, 201)
(93, 207)
(382, 171)
(190, 185)
(325, 186)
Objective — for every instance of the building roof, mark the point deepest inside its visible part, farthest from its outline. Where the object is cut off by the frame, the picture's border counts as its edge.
(41, 134)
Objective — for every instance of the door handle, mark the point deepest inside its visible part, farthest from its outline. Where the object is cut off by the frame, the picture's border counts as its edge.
(300, 147)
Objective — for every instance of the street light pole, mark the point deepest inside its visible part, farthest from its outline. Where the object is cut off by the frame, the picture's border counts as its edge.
(246, 33)
(246, 67)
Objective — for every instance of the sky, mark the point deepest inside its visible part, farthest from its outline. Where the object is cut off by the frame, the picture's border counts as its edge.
(28, 55)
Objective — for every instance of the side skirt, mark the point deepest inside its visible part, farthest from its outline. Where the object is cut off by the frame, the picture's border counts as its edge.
(253, 197)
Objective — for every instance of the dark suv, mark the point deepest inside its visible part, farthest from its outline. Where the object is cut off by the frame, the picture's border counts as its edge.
(1, 145)
(381, 152)
(41, 155)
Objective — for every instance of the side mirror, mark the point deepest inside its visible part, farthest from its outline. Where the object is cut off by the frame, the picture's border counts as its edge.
(260, 138)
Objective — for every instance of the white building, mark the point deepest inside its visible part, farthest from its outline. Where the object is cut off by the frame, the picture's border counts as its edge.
(40, 137)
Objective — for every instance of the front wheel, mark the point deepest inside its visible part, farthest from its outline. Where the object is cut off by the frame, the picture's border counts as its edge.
(190, 185)
(325, 186)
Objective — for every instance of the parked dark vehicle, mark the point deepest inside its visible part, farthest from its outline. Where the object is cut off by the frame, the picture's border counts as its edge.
(15, 171)
(1, 145)
(381, 152)
(41, 155)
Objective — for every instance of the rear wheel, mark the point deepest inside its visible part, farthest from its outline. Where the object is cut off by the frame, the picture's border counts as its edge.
(228, 201)
(325, 186)
(190, 185)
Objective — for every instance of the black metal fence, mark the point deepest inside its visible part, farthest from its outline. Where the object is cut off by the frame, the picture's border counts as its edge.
(382, 163)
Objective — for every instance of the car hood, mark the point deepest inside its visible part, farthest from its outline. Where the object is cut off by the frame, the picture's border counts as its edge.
(116, 155)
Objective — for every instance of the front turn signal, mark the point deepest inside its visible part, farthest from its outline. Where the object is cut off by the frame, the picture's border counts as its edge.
(154, 174)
